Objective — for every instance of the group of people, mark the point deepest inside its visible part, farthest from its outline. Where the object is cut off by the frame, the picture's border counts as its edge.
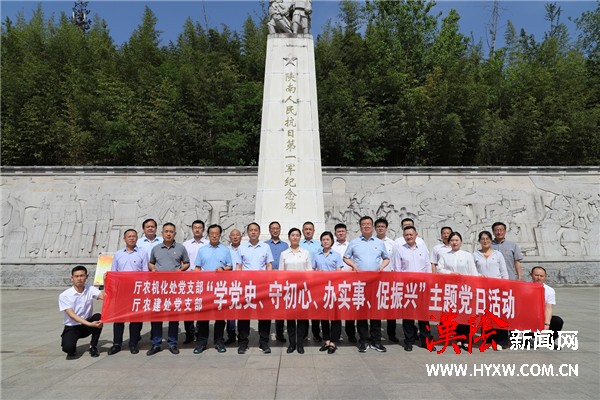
(371, 251)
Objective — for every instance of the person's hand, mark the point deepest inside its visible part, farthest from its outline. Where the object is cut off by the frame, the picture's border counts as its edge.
(96, 324)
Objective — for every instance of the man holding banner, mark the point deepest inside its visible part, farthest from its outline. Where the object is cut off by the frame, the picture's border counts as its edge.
(213, 257)
(167, 256)
(254, 256)
(367, 253)
(129, 258)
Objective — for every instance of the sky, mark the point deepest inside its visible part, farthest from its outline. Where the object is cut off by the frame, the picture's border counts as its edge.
(124, 16)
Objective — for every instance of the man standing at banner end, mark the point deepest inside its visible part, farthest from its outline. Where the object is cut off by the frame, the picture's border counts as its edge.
(79, 318)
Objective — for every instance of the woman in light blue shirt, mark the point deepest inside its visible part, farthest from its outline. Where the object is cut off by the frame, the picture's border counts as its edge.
(329, 260)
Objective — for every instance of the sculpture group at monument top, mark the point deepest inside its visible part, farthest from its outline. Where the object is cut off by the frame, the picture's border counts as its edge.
(289, 16)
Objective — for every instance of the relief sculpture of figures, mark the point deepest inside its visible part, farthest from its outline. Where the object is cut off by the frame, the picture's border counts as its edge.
(301, 16)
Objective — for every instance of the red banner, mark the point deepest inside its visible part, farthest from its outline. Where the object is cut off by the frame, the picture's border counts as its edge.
(253, 295)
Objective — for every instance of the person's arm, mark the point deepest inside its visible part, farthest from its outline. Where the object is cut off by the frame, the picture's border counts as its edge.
(384, 264)
(185, 260)
(151, 267)
(441, 267)
(350, 262)
(503, 269)
(184, 266)
(77, 318)
(518, 269)
(269, 266)
(547, 316)
(152, 261)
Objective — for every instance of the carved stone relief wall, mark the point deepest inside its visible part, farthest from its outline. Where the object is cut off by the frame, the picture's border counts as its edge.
(57, 216)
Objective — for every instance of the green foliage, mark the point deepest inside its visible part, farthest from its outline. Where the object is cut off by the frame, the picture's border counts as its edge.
(397, 85)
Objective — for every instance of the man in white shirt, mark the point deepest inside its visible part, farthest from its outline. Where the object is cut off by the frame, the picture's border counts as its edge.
(401, 241)
(149, 239)
(192, 246)
(410, 257)
(551, 322)
(381, 227)
(79, 318)
(440, 248)
(235, 238)
(340, 246)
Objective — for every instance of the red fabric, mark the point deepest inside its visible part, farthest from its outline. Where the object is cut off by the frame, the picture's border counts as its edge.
(186, 296)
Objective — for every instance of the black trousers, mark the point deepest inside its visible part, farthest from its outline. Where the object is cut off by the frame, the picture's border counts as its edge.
(264, 330)
(369, 335)
(332, 330)
(135, 333)
(410, 332)
(191, 328)
(203, 329)
(71, 334)
(279, 324)
(315, 326)
(556, 324)
(391, 328)
(350, 328)
(297, 331)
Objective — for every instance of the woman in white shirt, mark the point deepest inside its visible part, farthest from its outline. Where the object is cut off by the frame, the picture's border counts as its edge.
(295, 258)
(489, 262)
(460, 262)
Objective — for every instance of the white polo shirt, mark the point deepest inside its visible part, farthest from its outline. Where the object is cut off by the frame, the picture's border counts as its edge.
(81, 303)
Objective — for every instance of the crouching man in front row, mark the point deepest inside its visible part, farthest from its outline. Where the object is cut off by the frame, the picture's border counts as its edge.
(79, 318)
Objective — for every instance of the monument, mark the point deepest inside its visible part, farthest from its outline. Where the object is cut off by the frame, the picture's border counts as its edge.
(290, 181)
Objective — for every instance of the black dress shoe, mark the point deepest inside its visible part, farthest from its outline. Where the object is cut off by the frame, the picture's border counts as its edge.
(331, 349)
(199, 349)
(230, 340)
(408, 347)
(153, 350)
(300, 349)
(134, 349)
(114, 350)
(265, 348)
(325, 347)
(291, 349)
(189, 338)
(72, 356)
(363, 348)
(94, 351)
(280, 339)
(173, 349)
(242, 349)
(220, 347)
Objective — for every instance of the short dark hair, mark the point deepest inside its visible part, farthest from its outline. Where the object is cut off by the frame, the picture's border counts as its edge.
(326, 233)
(215, 226)
(495, 224)
(340, 226)
(409, 227)
(308, 223)
(253, 223)
(406, 220)
(365, 218)
(487, 233)
(540, 267)
(129, 230)
(149, 220)
(445, 227)
(455, 234)
(292, 230)
(273, 223)
(169, 224)
(79, 268)
(381, 221)
(198, 221)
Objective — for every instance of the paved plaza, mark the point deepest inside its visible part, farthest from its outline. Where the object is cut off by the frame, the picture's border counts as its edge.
(34, 367)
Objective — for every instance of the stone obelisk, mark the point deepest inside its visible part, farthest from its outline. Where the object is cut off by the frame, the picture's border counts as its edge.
(290, 180)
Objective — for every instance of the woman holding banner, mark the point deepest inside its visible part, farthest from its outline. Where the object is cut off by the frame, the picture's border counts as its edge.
(460, 262)
(295, 258)
(328, 260)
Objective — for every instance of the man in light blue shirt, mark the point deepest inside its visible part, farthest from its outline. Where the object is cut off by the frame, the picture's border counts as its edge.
(149, 239)
(129, 258)
(277, 247)
(254, 256)
(367, 253)
(313, 246)
(213, 257)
